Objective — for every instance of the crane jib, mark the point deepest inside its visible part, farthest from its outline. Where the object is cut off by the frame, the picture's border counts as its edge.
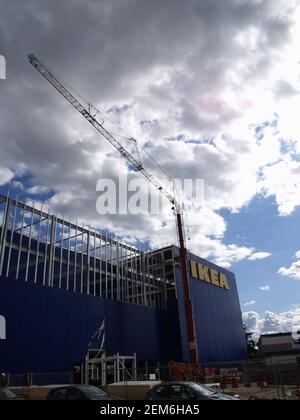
(137, 165)
(99, 127)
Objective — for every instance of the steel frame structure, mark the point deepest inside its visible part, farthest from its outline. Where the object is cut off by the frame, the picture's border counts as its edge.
(40, 247)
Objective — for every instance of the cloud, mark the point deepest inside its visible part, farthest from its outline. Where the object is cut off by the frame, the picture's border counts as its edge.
(226, 255)
(284, 88)
(259, 256)
(6, 175)
(265, 288)
(282, 181)
(251, 303)
(272, 323)
(293, 271)
(17, 185)
(37, 190)
(187, 80)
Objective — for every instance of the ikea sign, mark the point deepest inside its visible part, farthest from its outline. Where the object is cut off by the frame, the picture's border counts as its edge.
(2, 328)
(204, 273)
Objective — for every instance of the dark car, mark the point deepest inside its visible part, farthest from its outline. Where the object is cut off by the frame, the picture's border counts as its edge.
(6, 394)
(78, 392)
(185, 391)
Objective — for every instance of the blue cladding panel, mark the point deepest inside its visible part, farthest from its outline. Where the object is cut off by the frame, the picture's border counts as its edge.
(218, 318)
(182, 319)
(48, 330)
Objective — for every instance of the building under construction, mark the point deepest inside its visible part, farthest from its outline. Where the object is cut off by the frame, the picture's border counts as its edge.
(66, 289)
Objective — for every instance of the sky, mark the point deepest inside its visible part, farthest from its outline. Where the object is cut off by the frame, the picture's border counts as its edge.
(210, 88)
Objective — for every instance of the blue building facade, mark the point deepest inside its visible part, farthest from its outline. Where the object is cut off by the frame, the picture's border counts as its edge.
(49, 329)
(59, 282)
(217, 314)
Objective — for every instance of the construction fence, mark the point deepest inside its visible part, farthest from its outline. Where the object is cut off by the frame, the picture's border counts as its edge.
(225, 374)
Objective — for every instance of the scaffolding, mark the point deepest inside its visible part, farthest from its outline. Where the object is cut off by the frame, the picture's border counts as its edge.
(104, 370)
(42, 248)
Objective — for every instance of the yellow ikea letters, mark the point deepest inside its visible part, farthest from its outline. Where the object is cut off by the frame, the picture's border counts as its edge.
(204, 273)
(224, 281)
(194, 270)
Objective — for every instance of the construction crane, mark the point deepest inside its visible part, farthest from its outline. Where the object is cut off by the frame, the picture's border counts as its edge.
(137, 164)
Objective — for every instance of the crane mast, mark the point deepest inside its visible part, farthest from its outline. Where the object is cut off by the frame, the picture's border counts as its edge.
(53, 80)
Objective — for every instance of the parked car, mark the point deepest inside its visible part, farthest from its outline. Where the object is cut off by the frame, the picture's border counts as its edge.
(186, 391)
(6, 394)
(78, 392)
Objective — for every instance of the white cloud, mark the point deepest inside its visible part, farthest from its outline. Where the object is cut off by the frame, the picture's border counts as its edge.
(38, 190)
(225, 255)
(17, 185)
(221, 254)
(251, 303)
(293, 271)
(265, 288)
(272, 323)
(282, 180)
(6, 176)
(297, 255)
(259, 256)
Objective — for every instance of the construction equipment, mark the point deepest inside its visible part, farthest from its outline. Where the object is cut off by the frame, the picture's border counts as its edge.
(137, 164)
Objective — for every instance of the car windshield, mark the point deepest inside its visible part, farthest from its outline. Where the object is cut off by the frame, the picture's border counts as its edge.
(204, 389)
(5, 393)
(92, 392)
(17, 391)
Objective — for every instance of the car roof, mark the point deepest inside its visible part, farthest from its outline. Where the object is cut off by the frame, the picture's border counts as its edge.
(177, 383)
(55, 387)
(5, 389)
